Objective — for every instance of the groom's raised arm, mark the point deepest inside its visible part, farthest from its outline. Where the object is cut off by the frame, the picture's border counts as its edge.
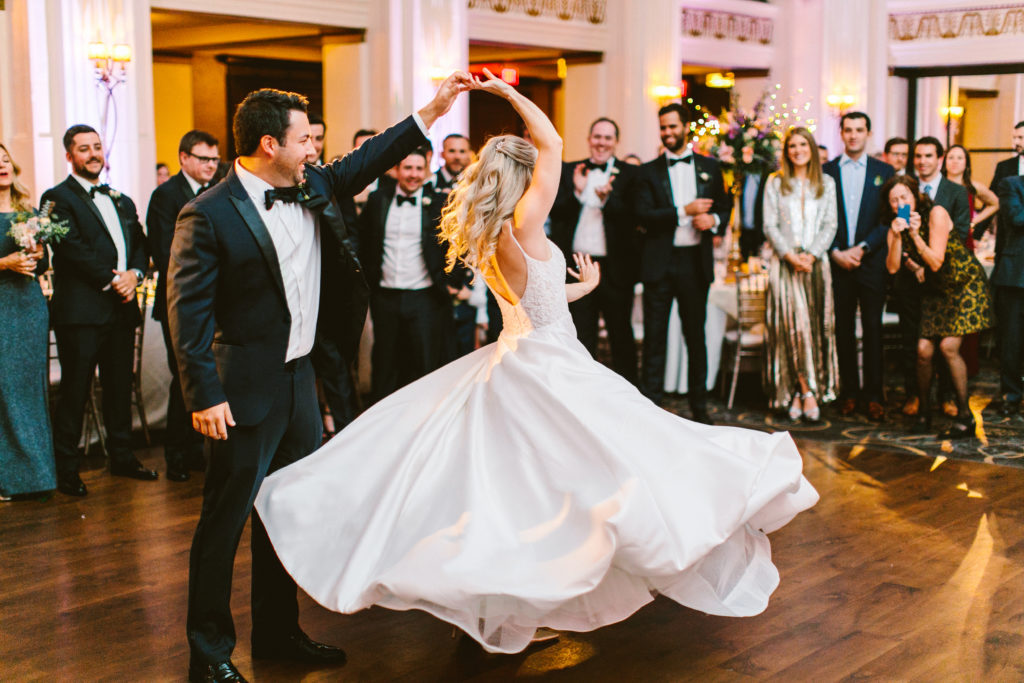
(350, 175)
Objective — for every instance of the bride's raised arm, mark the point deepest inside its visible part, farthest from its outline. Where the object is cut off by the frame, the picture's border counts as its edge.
(533, 209)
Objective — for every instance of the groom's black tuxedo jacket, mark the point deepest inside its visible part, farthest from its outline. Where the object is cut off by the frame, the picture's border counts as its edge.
(84, 261)
(373, 224)
(226, 304)
(657, 214)
(165, 204)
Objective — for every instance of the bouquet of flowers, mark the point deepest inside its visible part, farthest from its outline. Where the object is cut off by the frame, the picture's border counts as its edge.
(747, 141)
(31, 229)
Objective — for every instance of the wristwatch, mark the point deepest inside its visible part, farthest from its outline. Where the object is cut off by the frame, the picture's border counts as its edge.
(139, 275)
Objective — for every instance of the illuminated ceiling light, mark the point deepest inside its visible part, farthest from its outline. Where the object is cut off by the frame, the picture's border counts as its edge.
(720, 80)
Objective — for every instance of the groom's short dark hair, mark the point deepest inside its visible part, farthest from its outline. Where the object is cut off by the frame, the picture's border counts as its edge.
(264, 112)
(78, 129)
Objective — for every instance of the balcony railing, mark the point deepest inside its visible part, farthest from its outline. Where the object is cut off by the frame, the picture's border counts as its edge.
(592, 11)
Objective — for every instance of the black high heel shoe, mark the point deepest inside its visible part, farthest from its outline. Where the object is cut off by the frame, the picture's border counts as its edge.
(960, 429)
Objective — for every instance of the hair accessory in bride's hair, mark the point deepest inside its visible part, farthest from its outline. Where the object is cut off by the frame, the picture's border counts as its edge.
(499, 146)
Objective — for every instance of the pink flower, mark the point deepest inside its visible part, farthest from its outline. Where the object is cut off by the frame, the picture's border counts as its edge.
(725, 154)
(748, 154)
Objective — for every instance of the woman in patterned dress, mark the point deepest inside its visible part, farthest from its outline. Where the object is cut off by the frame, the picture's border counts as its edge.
(955, 300)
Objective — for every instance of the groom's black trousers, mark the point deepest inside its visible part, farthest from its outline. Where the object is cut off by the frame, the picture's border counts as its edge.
(289, 432)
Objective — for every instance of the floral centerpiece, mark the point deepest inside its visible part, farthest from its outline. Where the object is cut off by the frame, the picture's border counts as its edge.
(30, 229)
(747, 141)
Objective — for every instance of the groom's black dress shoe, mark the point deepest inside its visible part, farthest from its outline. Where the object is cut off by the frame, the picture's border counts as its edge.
(214, 673)
(298, 647)
(176, 470)
(71, 484)
(133, 469)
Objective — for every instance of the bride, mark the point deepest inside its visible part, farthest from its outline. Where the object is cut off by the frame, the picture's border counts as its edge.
(526, 485)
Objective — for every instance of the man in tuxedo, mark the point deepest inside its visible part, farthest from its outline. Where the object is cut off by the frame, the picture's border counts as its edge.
(457, 156)
(1007, 168)
(681, 204)
(249, 261)
(198, 157)
(94, 312)
(897, 154)
(593, 214)
(858, 259)
(1008, 280)
(410, 304)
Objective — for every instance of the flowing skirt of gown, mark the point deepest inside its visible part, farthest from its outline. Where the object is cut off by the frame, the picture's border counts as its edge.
(526, 485)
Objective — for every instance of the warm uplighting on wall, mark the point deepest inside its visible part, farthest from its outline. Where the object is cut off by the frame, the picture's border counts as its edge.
(720, 80)
(954, 112)
(840, 102)
(666, 93)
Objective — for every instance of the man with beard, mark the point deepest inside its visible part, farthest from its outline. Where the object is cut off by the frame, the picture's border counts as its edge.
(249, 262)
(198, 157)
(96, 268)
(681, 204)
(593, 214)
(457, 156)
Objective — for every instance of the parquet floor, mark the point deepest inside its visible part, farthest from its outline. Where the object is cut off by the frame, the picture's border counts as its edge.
(901, 572)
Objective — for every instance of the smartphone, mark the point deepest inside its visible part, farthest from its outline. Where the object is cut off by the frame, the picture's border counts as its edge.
(904, 212)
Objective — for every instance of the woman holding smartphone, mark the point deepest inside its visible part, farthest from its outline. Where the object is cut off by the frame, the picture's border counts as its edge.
(955, 299)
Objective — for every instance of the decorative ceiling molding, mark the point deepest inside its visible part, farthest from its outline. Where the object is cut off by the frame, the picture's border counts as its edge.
(953, 23)
(593, 11)
(727, 26)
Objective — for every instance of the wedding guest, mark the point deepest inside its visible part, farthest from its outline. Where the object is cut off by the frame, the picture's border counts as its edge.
(955, 299)
(457, 155)
(198, 157)
(593, 215)
(317, 130)
(953, 197)
(682, 204)
(822, 154)
(163, 174)
(404, 265)
(751, 212)
(1007, 168)
(801, 366)
(858, 278)
(358, 138)
(956, 167)
(26, 441)
(897, 151)
(632, 160)
(1008, 280)
(96, 268)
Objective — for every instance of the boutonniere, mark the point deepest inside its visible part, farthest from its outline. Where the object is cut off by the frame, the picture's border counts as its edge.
(704, 177)
(427, 200)
(115, 195)
(878, 181)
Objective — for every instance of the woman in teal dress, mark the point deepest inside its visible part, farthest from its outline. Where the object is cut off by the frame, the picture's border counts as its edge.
(955, 298)
(26, 443)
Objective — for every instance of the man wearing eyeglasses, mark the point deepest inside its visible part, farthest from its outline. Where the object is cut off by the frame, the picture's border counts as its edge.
(198, 156)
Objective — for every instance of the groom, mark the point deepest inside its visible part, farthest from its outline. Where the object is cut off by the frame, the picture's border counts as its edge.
(249, 261)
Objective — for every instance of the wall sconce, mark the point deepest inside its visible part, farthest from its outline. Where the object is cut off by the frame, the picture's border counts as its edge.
(839, 103)
(720, 80)
(666, 93)
(562, 68)
(954, 112)
(110, 64)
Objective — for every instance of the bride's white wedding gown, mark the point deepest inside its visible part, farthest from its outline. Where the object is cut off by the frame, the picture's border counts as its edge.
(527, 485)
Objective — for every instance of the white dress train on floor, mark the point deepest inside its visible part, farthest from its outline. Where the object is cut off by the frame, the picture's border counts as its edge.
(527, 485)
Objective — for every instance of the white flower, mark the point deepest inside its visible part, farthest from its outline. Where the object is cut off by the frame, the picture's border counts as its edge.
(426, 200)
(704, 176)
(114, 194)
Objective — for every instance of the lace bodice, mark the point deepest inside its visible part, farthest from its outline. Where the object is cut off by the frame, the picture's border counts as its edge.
(544, 302)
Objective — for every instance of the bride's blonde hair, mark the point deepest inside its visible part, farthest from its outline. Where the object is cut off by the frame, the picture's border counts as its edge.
(484, 198)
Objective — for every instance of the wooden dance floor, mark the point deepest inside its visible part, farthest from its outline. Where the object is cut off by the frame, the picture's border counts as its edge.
(908, 569)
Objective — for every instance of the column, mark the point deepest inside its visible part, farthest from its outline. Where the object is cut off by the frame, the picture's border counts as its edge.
(643, 52)
(347, 90)
(584, 98)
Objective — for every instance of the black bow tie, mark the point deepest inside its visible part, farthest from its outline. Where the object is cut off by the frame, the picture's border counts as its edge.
(288, 195)
(103, 189)
(688, 159)
(403, 199)
(591, 165)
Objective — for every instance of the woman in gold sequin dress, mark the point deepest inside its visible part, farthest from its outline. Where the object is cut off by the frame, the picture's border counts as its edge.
(801, 366)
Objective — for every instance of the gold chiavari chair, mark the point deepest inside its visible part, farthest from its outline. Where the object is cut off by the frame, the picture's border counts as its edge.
(748, 339)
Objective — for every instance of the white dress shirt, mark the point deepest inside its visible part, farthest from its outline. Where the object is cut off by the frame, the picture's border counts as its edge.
(296, 237)
(403, 266)
(192, 183)
(589, 237)
(111, 221)
(931, 187)
(1020, 165)
(683, 179)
